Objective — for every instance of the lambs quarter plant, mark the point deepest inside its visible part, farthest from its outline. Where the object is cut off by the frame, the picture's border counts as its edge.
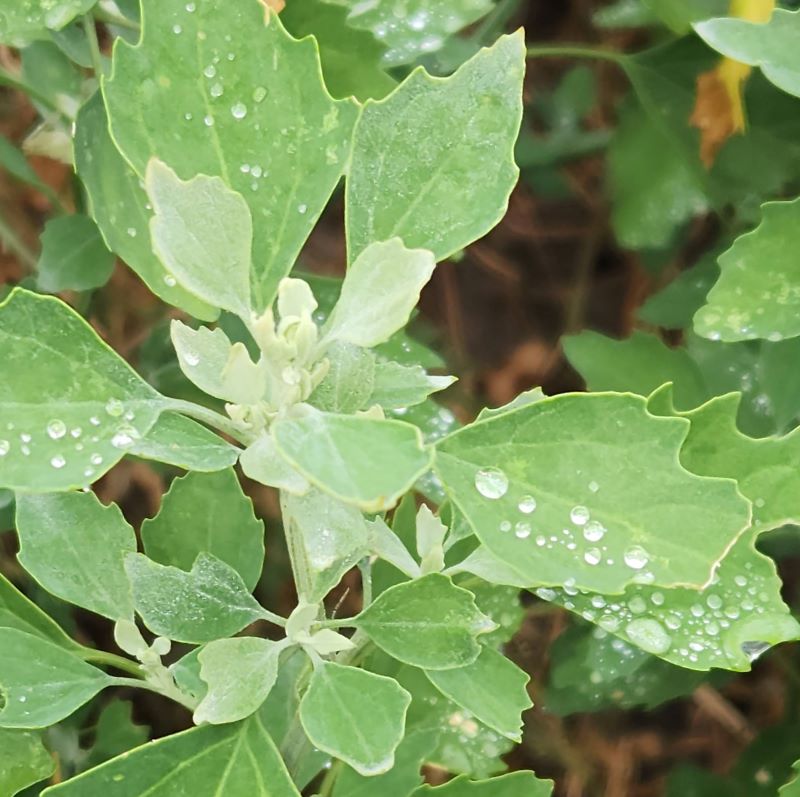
(206, 151)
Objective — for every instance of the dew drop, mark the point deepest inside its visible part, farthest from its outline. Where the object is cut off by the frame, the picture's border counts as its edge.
(191, 358)
(123, 438)
(177, 30)
(302, 209)
(210, 71)
(491, 483)
(5, 447)
(636, 557)
(579, 515)
(188, 116)
(208, 121)
(56, 429)
(216, 90)
(170, 281)
(714, 602)
(592, 556)
(96, 459)
(594, 531)
(114, 408)
(239, 111)
(649, 635)
(593, 487)
(522, 530)
(190, 7)
(259, 94)
(505, 526)
(754, 649)
(527, 504)
(58, 461)
(256, 171)
(637, 604)
(94, 420)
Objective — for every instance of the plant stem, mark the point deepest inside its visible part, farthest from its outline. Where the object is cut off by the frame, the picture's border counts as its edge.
(18, 83)
(273, 618)
(212, 418)
(496, 21)
(112, 660)
(365, 568)
(575, 51)
(329, 781)
(303, 580)
(175, 694)
(94, 45)
(15, 244)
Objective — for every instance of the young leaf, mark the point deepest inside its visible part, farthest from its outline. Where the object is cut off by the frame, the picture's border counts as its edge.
(24, 760)
(515, 784)
(349, 383)
(587, 490)
(16, 611)
(328, 536)
(433, 163)
(429, 622)
(240, 674)
(398, 386)
(202, 232)
(41, 683)
(350, 58)
(238, 760)
(402, 778)
(267, 126)
(208, 603)
(73, 408)
(263, 462)
(412, 28)
(379, 292)
(24, 21)
(383, 542)
(757, 293)
(204, 356)
(118, 204)
(492, 689)
(74, 257)
(207, 513)
(184, 443)
(769, 45)
(75, 548)
(355, 715)
(361, 460)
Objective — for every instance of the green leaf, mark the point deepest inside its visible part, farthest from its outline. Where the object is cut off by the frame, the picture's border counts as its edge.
(240, 674)
(680, 14)
(401, 779)
(207, 513)
(768, 45)
(557, 488)
(119, 205)
(515, 784)
(433, 162)
(792, 788)
(41, 683)
(24, 760)
(350, 58)
(492, 689)
(208, 603)
(207, 104)
(238, 760)
(349, 383)
(75, 548)
(355, 715)
(74, 406)
(412, 28)
(24, 21)
(757, 293)
(16, 164)
(639, 364)
(365, 461)
(202, 232)
(379, 292)
(263, 462)
(115, 733)
(16, 611)
(74, 257)
(327, 536)
(397, 386)
(182, 442)
(428, 622)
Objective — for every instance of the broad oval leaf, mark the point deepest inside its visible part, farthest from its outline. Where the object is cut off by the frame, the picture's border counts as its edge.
(42, 683)
(364, 461)
(209, 602)
(207, 513)
(587, 490)
(428, 622)
(75, 548)
(355, 715)
(252, 110)
(433, 162)
(758, 292)
(24, 760)
(492, 688)
(238, 760)
(240, 674)
(74, 406)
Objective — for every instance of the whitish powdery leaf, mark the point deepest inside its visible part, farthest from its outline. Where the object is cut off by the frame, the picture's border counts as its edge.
(433, 162)
(251, 109)
(73, 408)
(586, 490)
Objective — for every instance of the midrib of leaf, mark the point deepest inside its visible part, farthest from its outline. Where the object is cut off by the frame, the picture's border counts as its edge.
(343, 711)
(231, 761)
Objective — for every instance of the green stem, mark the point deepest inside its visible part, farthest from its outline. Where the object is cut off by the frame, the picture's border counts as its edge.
(496, 22)
(212, 418)
(18, 83)
(273, 618)
(329, 781)
(365, 568)
(112, 660)
(172, 694)
(575, 51)
(94, 45)
(109, 18)
(15, 244)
